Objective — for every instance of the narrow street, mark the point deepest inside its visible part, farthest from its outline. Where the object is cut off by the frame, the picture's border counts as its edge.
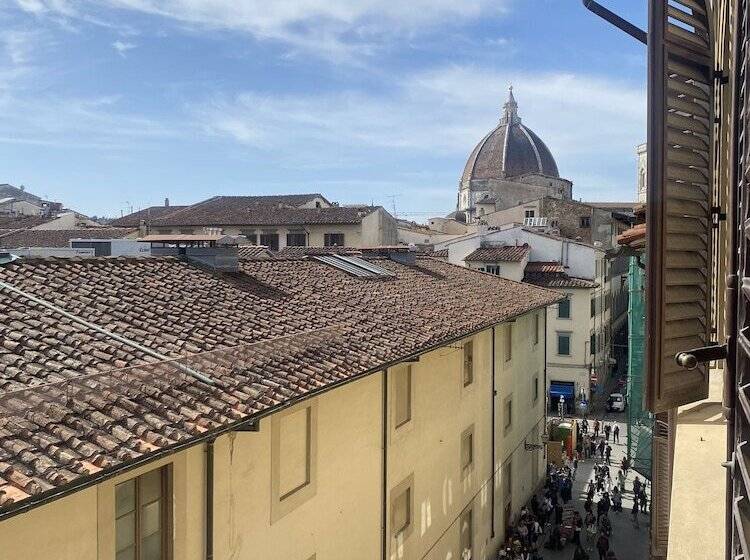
(627, 541)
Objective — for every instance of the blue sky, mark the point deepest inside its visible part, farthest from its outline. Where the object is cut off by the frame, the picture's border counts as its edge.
(107, 104)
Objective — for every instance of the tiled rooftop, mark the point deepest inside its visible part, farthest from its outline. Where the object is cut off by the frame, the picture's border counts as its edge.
(254, 252)
(76, 426)
(553, 275)
(58, 237)
(505, 253)
(262, 210)
(147, 214)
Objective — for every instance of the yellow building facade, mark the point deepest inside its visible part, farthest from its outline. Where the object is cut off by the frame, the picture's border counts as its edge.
(419, 461)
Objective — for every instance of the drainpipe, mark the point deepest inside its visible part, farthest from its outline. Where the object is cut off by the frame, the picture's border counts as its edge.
(492, 424)
(384, 468)
(210, 499)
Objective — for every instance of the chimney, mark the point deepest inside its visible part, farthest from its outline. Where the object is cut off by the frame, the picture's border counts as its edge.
(166, 202)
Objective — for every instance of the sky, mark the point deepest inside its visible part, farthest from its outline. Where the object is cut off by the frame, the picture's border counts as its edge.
(113, 105)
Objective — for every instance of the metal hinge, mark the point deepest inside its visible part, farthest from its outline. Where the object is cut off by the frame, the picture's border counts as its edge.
(689, 359)
(721, 77)
(717, 216)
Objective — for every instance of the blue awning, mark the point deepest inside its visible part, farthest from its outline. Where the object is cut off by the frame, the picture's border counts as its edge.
(557, 390)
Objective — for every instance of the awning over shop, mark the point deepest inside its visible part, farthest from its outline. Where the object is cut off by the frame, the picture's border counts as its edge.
(560, 389)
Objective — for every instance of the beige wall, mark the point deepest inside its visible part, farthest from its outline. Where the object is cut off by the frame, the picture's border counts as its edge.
(338, 514)
(81, 526)
(341, 519)
(510, 270)
(516, 382)
(575, 367)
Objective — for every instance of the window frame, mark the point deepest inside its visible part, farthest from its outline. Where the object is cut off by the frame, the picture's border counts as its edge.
(584, 222)
(467, 438)
(406, 485)
(567, 335)
(264, 242)
(568, 307)
(405, 370)
(508, 342)
(166, 498)
(282, 504)
(327, 239)
(296, 234)
(467, 379)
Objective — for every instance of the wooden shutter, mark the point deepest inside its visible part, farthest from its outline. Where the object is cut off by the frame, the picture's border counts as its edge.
(661, 488)
(680, 168)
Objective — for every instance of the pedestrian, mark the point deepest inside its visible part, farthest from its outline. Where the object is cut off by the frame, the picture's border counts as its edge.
(602, 545)
(585, 425)
(601, 449)
(608, 453)
(596, 428)
(616, 434)
(575, 466)
(592, 448)
(644, 500)
(607, 431)
(580, 554)
(625, 465)
(634, 514)
(577, 528)
(621, 480)
(637, 487)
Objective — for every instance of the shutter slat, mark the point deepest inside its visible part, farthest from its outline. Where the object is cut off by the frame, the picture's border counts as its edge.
(680, 180)
(661, 490)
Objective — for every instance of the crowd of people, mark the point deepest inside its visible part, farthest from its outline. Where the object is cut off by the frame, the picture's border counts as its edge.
(549, 523)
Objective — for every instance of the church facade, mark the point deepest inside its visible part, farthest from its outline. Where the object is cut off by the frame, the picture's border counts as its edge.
(510, 166)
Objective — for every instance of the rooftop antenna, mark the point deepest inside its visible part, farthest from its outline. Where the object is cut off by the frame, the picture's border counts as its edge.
(392, 198)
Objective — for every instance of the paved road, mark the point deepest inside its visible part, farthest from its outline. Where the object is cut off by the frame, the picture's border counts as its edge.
(628, 542)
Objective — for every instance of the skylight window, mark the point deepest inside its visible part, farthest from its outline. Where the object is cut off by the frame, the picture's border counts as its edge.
(355, 266)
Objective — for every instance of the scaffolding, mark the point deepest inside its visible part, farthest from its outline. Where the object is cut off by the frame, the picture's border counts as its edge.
(640, 421)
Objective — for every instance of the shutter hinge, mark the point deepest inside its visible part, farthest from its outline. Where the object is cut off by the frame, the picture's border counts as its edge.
(717, 216)
(721, 77)
(689, 359)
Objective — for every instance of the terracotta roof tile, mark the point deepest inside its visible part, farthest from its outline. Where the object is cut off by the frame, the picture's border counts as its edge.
(505, 253)
(76, 402)
(262, 210)
(147, 214)
(553, 275)
(58, 237)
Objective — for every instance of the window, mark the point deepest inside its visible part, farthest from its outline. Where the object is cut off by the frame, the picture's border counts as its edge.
(141, 517)
(535, 389)
(402, 507)
(563, 308)
(493, 269)
(467, 534)
(402, 396)
(296, 239)
(536, 328)
(293, 458)
(468, 377)
(294, 452)
(270, 240)
(508, 413)
(592, 343)
(252, 237)
(317, 204)
(529, 214)
(508, 480)
(509, 342)
(333, 239)
(563, 344)
(593, 306)
(585, 222)
(467, 449)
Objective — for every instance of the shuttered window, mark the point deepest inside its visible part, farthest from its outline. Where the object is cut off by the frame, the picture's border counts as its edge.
(680, 170)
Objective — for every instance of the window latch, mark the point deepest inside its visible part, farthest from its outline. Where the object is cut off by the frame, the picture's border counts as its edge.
(689, 359)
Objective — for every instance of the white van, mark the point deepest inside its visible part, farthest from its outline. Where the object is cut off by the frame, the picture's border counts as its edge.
(616, 402)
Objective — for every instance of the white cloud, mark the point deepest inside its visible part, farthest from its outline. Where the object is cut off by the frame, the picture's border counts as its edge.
(591, 124)
(122, 47)
(341, 30)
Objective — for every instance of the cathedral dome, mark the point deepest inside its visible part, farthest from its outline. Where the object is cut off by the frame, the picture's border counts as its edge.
(510, 150)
